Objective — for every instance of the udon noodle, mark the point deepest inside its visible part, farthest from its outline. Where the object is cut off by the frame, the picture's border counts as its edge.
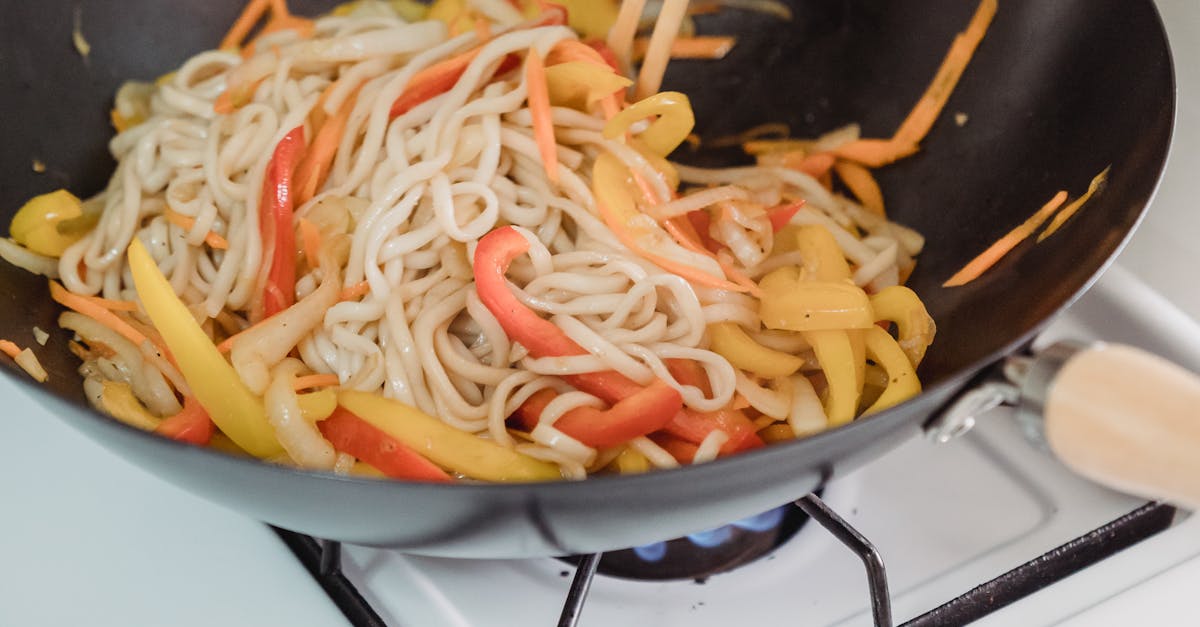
(390, 238)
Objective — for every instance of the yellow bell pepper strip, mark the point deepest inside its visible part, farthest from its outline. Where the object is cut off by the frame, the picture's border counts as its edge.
(317, 406)
(822, 257)
(580, 84)
(914, 326)
(276, 216)
(446, 446)
(117, 400)
(191, 424)
(903, 383)
(741, 351)
(641, 414)
(778, 432)
(674, 122)
(631, 462)
(216, 385)
(836, 356)
(35, 225)
(858, 348)
(611, 183)
(353, 435)
(791, 303)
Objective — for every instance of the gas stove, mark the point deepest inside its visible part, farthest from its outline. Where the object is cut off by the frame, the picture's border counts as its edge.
(988, 526)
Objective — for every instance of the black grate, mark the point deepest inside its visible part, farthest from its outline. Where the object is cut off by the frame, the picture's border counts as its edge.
(322, 559)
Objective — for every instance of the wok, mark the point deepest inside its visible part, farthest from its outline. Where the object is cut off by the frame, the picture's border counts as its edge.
(1057, 91)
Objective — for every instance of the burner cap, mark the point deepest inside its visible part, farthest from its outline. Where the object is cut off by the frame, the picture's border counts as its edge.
(701, 555)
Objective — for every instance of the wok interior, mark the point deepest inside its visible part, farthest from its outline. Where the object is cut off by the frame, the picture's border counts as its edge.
(1054, 94)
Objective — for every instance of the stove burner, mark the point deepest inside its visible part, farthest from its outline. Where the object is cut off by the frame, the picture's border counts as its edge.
(706, 553)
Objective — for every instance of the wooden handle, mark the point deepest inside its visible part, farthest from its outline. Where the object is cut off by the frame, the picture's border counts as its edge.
(1130, 420)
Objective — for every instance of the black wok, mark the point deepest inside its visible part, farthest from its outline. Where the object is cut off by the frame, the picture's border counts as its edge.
(1058, 90)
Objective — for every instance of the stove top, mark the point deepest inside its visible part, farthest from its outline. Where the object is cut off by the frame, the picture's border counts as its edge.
(89, 539)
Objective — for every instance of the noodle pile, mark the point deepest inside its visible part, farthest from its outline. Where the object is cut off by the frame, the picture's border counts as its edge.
(386, 300)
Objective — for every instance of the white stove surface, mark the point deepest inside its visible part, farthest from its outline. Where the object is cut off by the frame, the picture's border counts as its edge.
(87, 538)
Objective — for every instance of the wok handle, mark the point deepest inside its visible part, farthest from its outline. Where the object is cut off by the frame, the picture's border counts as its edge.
(1127, 419)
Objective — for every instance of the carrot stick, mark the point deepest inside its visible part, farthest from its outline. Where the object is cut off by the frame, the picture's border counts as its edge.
(96, 312)
(311, 238)
(862, 185)
(539, 106)
(8, 347)
(112, 305)
(356, 291)
(815, 165)
(315, 381)
(690, 47)
(188, 223)
(250, 16)
(1075, 206)
(315, 165)
(874, 153)
(925, 113)
(996, 251)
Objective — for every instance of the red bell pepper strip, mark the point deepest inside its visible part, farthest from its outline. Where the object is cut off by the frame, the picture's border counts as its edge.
(610, 57)
(192, 424)
(354, 436)
(441, 77)
(641, 414)
(683, 451)
(495, 252)
(694, 426)
(275, 220)
(781, 215)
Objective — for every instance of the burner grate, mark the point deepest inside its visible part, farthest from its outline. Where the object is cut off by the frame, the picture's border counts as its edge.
(323, 561)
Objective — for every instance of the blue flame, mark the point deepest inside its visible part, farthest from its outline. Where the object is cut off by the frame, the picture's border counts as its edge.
(712, 537)
(762, 522)
(652, 552)
(758, 523)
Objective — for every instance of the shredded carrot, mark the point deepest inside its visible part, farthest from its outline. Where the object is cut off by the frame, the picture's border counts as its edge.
(690, 47)
(874, 153)
(96, 312)
(254, 11)
(684, 270)
(356, 291)
(318, 159)
(1062, 216)
(112, 305)
(310, 236)
(188, 223)
(927, 109)
(860, 182)
(539, 106)
(8, 347)
(1002, 246)
(315, 381)
(815, 165)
